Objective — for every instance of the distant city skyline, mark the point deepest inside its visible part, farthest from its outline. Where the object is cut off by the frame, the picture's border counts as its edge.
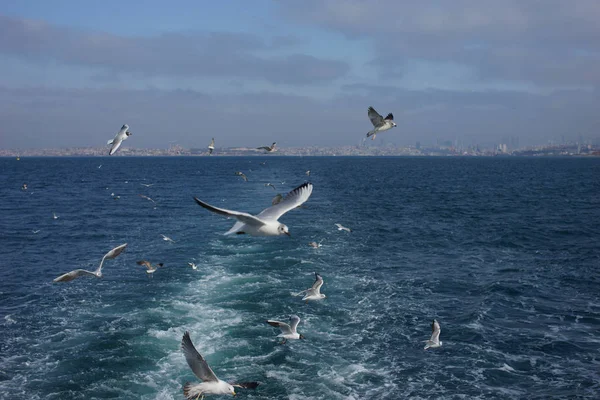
(298, 73)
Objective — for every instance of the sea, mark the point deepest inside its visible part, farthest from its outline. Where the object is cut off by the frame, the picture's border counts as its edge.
(503, 252)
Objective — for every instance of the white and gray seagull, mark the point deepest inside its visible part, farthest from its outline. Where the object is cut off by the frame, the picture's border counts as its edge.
(150, 269)
(343, 228)
(266, 223)
(69, 276)
(380, 124)
(434, 341)
(119, 137)
(268, 149)
(288, 331)
(210, 383)
(313, 293)
(211, 146)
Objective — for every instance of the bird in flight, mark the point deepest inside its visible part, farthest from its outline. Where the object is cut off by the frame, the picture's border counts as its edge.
(147, 184)
(210, 383)
(314, 292)
(167, 239)
(270, 184)
(288, 331)
(343, 228)
(268, 149)
(434, 341)
(380, 124)
(147, 198)
(241, 174)
(69, 276)
(266, 222)
(119, 137)
(307, 173)
(150, 269)
(211, 146)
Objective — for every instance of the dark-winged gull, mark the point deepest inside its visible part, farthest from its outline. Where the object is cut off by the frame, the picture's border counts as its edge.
(119, 137)
(210, 383)
(314, 292)
(380, 124)
(150, 269)
(266, 223)
(268, 149)
(69, 276)
(288, 331)
(241, 174)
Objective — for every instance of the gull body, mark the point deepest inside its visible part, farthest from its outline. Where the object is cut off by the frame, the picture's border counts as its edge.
(266, 223)
(270, 184)
(69, 276)
(343, 228)
(288, 331)
(241, 174)
(380, 124)
(119, 137)
(314, 292)
(434, 341)
(54, 216)
(150, 269)
(210, 383)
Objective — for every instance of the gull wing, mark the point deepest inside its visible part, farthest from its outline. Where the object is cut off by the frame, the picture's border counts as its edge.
(69, 276)
(240, 216)
(245, 385)
(390, 117)
(212, 144)
(115, 146)
(264, 148)
(147, 198)
(110, 255)
(285, 328)
(292, 200)
(196, 362)
(145, 264)
(435, 331)
(294, 320)
(318, 283)
(375, 118)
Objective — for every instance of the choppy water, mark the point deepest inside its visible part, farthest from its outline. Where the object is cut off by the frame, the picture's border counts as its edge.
(503, 252)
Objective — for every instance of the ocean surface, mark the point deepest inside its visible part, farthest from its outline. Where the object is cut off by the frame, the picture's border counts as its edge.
(503, 252)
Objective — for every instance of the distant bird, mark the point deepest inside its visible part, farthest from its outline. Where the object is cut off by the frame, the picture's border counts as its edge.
(147, 198)
(24, 186)
(270, 184)
(263, 163)
(211, 146)
(343, 228)
(150, 269)
(36, 231)
(266, 223)
(380, 124)
(283, 183)
(99, 166)
(307, 173)
(277, 199)
(210, 383)
(241, 174)
(167, 239)
(69, 276)
(147, 184)
(54, 216)
(268, 149)
(435, 336)
(193, 265)
(313, 293)
(287, 331)
(314, 245)
(120, 136)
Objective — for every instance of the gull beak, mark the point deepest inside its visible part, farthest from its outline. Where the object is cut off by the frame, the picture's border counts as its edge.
(287, 233)
(233, 394)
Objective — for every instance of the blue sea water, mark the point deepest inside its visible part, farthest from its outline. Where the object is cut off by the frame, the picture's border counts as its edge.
(504, 252)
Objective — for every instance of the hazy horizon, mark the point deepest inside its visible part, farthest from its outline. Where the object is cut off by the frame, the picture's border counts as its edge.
(299, 74)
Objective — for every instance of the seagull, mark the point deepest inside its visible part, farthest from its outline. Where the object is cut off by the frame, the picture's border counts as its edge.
(69, 276)
(307, 173)
(314, 293)
(115, 197)
(119, 137)
(150, 269)
(287, 331)
(263, 163)
(211, 146)
(147, 184)
(54, 216)
(380, 124)
(167, 239)
(266, 223)
(211, 384)
(277, 199)
(244, 177)
(268, 149)
(270, 184)
(24, 187)
(435, 336)
(343, 228)
(147, 198)
(36, 231)
(99, 166)
(314, 245)
(193, 265)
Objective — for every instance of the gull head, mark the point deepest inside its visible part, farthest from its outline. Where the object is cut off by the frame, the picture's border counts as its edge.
(231, 390)
(283, 230)
(394, 125)
(128, 133)
(302, 336)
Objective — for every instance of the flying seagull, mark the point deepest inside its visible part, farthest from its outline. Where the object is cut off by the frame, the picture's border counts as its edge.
(150, 269)
(343, 228)
(435, 336)
(210, 383)
(287, 331)
(193, 265)
(211, 146)
(69, 276)
(263, 163)
(270, 184)
(314, 245)
(147, 198)
(307, 173)
(313, 293)
(54, 216)
(24, 187)
(36, 231)
(266, 223)
(147, 184)
(120, 136)
(268, 149)
(244, 177)
(167, 239)
(380, 124)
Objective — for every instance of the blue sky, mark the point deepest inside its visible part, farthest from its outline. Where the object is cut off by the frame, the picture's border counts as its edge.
(299, 73)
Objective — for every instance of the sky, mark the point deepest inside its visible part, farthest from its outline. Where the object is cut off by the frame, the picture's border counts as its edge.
(301, 73)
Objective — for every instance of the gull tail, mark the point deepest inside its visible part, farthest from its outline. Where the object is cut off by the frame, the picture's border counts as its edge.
(370, 133)
(190, 392)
